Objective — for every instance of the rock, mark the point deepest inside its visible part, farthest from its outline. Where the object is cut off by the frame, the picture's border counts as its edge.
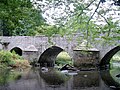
(44, 69)
(85, 75)
(64, 71)
(68, 67)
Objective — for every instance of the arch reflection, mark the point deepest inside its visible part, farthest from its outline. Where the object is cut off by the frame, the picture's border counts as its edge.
(109, 79)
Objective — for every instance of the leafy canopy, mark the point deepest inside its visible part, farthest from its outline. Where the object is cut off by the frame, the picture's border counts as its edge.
(95, 20)
(19, 17)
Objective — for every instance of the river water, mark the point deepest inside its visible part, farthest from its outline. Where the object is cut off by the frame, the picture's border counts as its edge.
(52, 79)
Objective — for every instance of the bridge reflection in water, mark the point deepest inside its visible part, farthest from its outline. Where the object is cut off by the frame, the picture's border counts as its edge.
(35, 79)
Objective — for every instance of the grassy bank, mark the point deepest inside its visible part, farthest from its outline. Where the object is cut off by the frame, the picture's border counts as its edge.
(13, 60)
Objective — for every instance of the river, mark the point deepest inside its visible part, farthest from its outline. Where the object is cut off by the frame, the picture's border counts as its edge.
(52, 79)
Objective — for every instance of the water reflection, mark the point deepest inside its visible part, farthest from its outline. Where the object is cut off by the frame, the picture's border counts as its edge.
(35, 79)
(7, 76)
(110, 79)
(86, 79)
(54, 77)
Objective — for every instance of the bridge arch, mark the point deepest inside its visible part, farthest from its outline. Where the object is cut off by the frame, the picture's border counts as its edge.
(106, 59)
(48, 57)
(17, 50)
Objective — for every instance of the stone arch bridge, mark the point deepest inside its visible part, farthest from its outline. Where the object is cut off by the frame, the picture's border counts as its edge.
(45, 50)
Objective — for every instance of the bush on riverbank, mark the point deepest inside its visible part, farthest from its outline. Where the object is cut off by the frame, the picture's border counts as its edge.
(116, 58)
(63, 58)
(8, 59)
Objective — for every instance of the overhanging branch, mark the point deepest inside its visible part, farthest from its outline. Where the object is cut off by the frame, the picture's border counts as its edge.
(106, 22)
(94, 12)
(86, 7)
(87, 32)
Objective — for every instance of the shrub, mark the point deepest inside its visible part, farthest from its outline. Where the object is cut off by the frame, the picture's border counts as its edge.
(12, 59)
(63, 58)
(5, 57)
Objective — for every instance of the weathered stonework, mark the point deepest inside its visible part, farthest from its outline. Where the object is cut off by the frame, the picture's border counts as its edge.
(86, 59)
(33, 47)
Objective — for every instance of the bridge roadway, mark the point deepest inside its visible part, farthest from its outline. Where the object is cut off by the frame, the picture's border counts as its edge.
(44, 49)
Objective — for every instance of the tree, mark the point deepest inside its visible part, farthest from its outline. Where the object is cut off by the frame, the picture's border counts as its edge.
(19, 17)
(96, 20)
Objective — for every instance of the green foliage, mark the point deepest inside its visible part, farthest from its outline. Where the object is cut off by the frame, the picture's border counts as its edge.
(80, 17)
(55, 77)
(8, 58)
(8, 76)
(5, 57)
(116, 57)
(115, 60)
(48, 30)
(19, 17)
(114, 72)
(63, 58)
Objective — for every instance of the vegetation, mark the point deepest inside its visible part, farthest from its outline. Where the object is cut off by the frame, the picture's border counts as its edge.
(64, 17)
(19, 17)
(54, 77)
(90, 18)
(115, 60)
(10, 75)
(116, 57)
(63, 58)
(8, 59)
(114, 72)
(7, 76)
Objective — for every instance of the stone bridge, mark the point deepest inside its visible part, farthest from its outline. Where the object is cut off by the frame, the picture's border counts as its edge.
(44, 50)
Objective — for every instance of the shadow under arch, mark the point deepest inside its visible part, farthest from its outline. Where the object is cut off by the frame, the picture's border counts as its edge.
(17, 50)
(48, 57)
(106, 59)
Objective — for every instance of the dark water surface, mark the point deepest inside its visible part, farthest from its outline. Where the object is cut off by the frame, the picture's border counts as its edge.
(35, 79)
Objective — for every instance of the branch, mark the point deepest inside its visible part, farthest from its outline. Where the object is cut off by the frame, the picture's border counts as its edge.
(106, 22)
(104, 18)
(86, 7)
(94, 12)
(87, 32)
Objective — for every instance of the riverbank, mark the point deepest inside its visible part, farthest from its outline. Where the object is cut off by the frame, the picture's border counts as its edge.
(12, 60)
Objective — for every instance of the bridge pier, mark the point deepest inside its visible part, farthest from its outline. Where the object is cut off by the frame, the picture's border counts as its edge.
(86, 59)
